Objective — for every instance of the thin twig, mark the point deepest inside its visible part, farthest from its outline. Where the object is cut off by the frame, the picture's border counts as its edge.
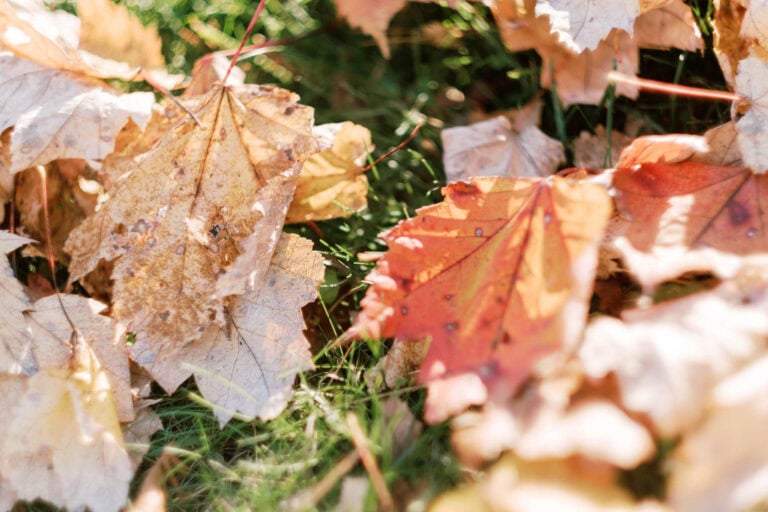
(162, 90)
(255, 17)
(395, 149)
(679, 90)
(369, 461)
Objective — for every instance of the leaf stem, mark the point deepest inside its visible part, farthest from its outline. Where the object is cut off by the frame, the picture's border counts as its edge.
(680, 90)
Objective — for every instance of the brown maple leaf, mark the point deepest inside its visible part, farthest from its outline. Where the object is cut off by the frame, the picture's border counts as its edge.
(196, 218)
(498, 276)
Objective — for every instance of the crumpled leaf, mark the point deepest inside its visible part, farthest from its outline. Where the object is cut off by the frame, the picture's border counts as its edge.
(249, 366)
(61, 438)
(501, 147)
(185, 211)
(57, 115)
(752, 83)
(581, 24)
(512, 485)
(68, 203)
(478, 275)
(669, 357)
(722, 466)
(13, 303)
(332, 183)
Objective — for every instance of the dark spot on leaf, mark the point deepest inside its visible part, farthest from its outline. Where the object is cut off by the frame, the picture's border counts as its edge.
(290, 110)
(448, 297)
(404, 310)
(141, 226)
(737, 212)
(119, 229)
(165, 315)
(452, 326)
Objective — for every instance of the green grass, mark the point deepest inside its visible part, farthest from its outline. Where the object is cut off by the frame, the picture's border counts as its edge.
(339, 71)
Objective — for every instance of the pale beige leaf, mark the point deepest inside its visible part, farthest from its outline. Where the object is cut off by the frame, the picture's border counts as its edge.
(152, 496)
(14, 335)
(62, 441)
(111, 31)
(722, 466)
(332, 183)
(137, 433)
(753, 27)
(501, 147)
(371, 16)
(56, 115)
(6, 178)
(51, 38)
(669, 357)
(752, 82)
(590, 150)
(671, 26)
(49, 349)
(184, 212)
(723, 146)
(512, 485)
(581, 24)
(249, 365)
(210, 69)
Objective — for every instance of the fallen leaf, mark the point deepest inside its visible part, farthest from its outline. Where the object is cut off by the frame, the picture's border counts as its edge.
(60, 430)
(332, 183)
(520, 28)
(50, 329)
(249, 365)
(687, 216)
(581, 24)
(672, 25)
(753, 27)
(478, 275)
(55, 114)
(13, 304)
(722, 465)
(372, 17)
(501, 147)
(152, 496)
(752, 128)
(728, 45)
(512, 485)
(211, 69)
(138, 433)
(50, 38)
(583, 77)
(188, 210)
(669, 357)
(111, 31)
(548, 421)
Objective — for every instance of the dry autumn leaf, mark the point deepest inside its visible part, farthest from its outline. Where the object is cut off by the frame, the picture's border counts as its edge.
(687, 216)
(513, 485)
(498, 276)
(669, 357)
(62, 440)
(722, 465)
(55, 114)
(591, 150)
(372, 17)
(581, 24)
(249, 366)
(511, 147)
(752, 128)
(13, 304)
(205, 200)
(332, 183)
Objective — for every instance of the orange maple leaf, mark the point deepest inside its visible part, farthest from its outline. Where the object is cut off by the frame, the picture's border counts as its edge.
(498, 275)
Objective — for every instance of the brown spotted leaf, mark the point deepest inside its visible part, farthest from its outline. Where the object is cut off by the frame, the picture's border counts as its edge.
(686, 216)
(332, 183)
(185, 212)
(498, 276)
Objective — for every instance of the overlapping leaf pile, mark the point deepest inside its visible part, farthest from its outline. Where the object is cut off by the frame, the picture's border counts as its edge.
(174, 217)
(497, 280)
